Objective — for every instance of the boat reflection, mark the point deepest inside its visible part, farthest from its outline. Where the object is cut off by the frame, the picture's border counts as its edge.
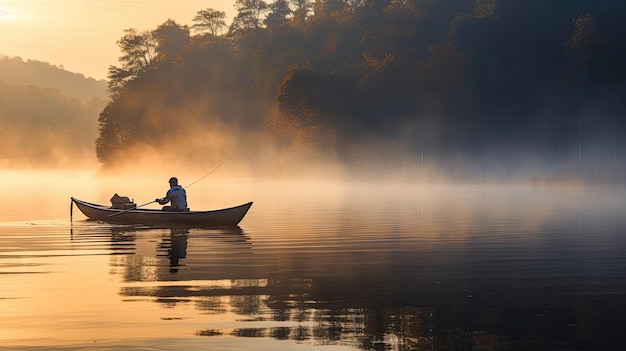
(176, 247)
(217, 272)
(154, 253)
(379, 301)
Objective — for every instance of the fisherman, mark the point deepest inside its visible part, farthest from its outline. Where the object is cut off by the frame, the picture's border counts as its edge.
(176, 195)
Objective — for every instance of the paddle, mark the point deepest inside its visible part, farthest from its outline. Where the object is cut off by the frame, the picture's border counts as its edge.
(117, 213)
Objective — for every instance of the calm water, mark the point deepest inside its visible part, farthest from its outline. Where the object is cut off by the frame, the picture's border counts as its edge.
(316, 266)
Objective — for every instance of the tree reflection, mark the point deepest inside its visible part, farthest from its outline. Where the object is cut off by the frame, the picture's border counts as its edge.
(281, 333)
(246, 304)
(212, 305)
(217, 273)
(249, 332)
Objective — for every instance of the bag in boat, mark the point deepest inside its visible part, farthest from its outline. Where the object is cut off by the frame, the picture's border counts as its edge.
(122, 202)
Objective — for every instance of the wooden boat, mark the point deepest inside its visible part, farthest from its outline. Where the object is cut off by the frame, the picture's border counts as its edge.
(223, 217)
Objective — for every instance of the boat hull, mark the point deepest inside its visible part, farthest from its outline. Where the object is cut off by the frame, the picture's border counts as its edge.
(216, 218)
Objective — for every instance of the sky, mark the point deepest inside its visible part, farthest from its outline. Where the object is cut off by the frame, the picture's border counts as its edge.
(81, 35)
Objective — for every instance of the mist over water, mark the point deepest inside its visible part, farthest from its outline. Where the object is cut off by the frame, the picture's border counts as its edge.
(425, 175)
(314, 266)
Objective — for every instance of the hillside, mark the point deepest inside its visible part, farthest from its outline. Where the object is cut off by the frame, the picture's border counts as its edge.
(16, 71)
(48, 116)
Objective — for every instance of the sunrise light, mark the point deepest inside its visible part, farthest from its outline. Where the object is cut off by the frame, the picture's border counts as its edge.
(5, 14)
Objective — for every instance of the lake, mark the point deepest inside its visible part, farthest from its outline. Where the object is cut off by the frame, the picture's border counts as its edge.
(314, 266)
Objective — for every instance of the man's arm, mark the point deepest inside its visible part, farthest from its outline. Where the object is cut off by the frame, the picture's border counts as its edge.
(171, 195)
(166, 199)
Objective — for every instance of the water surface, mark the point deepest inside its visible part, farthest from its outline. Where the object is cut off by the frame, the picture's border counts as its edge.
(316, 266)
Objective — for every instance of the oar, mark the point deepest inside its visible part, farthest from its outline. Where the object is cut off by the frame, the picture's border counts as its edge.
(118, 213)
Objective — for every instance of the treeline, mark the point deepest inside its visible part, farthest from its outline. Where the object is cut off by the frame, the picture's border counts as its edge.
(457, 86)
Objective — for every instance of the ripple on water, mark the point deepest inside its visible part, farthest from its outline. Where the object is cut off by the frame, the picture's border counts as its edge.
(397, 267)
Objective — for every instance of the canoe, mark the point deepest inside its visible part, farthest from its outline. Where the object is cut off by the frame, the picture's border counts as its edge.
(215, 218)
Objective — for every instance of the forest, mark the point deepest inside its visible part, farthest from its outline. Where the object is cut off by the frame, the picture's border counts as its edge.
(454, 89)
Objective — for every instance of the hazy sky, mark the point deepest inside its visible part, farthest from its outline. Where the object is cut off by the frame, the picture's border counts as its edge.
(81, 34)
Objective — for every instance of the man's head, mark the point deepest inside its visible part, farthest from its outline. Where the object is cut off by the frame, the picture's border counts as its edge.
(173, 181)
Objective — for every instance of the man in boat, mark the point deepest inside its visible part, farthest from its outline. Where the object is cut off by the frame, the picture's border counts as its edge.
(176, 195)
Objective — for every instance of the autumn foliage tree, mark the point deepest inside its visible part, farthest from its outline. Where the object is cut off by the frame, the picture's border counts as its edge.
(469, 78)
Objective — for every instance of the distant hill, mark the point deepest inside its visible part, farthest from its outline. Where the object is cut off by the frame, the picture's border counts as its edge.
(16, 71)
(48, 116)
(43, 128)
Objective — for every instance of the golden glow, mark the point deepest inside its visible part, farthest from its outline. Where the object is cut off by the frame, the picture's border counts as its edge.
(68, 291)
(80, 35)
(6, 14)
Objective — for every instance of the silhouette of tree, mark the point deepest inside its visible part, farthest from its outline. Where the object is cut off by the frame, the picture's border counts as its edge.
(470, 78)
(210, 21)
(301, 11)
(327, 8)
(279, 13)
(170, 38)
(139, 51)
(248, 17)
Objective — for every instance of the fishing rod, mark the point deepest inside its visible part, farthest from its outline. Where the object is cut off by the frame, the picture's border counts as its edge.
(148, 203)
(206, 175)
(133, 208)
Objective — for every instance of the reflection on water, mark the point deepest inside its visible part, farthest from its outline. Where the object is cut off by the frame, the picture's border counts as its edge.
(389, 268)
(176, 247)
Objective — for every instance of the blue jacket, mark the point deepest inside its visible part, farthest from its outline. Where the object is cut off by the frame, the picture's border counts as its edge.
(177, 196)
